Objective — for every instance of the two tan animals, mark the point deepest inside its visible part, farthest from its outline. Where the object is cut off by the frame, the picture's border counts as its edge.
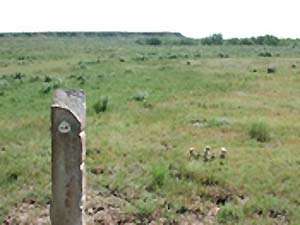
(207, 154)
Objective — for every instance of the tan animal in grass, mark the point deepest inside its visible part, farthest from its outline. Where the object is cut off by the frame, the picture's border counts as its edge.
(192, 154)
(208, 154)
(223, 153)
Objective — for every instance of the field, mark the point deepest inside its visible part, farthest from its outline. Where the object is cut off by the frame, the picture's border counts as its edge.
(161, 101)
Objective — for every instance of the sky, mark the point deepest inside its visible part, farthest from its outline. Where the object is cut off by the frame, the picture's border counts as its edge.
(192, 18)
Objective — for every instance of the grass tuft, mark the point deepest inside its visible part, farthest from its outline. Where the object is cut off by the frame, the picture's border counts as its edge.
(260, 131)
(101, 105)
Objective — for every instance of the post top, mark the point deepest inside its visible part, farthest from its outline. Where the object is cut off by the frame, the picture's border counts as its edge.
(71, 100)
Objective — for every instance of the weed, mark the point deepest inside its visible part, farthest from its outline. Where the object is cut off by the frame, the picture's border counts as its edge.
(265, 54)
(47, 79)
(173, 56)
(101, 105)
(46, 88)
(4, 84)
(159, 175)
(230, 214)
(260, 131)
(223, 55)
(140, 95)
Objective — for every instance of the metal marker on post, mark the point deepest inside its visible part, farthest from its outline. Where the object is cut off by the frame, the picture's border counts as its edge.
(68, 154)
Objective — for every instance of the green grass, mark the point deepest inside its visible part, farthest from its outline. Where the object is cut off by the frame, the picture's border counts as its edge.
(142, 138)
(260, 132)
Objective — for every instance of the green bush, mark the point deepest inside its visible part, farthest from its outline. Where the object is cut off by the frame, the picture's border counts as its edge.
(47, 79)
(260, 40)
(233, 41)
(265, 54)
(246, 41)
(223, 55)
(267, 40)
(173, 56)
(260, 131)
(47, 87)
(149, 41)
(4, 84)
(215, 39)
(153, 41)
(140, 96)
(101, 105)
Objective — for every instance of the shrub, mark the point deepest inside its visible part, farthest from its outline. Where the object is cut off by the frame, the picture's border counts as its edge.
(153, 41)
(82, 65)
(187, 41)
(174, 56)
(4, 84)
(140, 96)
(47, 79)
(57, 82)
(265, 54)
(215, 39)
(19, 76)
(222, 55)
(233, 41)
(260, 132)
(47, 87)
(246, 41)
(81, 79)
(101, 105)
(267, 40)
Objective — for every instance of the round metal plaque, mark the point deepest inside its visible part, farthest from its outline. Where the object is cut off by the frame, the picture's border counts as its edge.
(64, 127)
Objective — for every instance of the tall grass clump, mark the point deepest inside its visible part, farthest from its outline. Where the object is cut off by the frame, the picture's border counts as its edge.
(230, 214)
(159, 175)
(101, 105)
(260, 131)
(140, 96)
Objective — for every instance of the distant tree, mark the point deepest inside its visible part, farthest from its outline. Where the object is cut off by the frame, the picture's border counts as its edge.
(153, 41)
(268, 40)
(233, 41)
(215, 39)
(187, 41)
(247, 41)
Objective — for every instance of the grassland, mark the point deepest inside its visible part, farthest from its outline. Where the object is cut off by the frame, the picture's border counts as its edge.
(162, 100)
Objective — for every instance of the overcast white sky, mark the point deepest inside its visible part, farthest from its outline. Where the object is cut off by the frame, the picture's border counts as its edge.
(193, 18)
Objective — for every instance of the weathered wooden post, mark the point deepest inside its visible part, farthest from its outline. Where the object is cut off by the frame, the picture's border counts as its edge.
(68, 155)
